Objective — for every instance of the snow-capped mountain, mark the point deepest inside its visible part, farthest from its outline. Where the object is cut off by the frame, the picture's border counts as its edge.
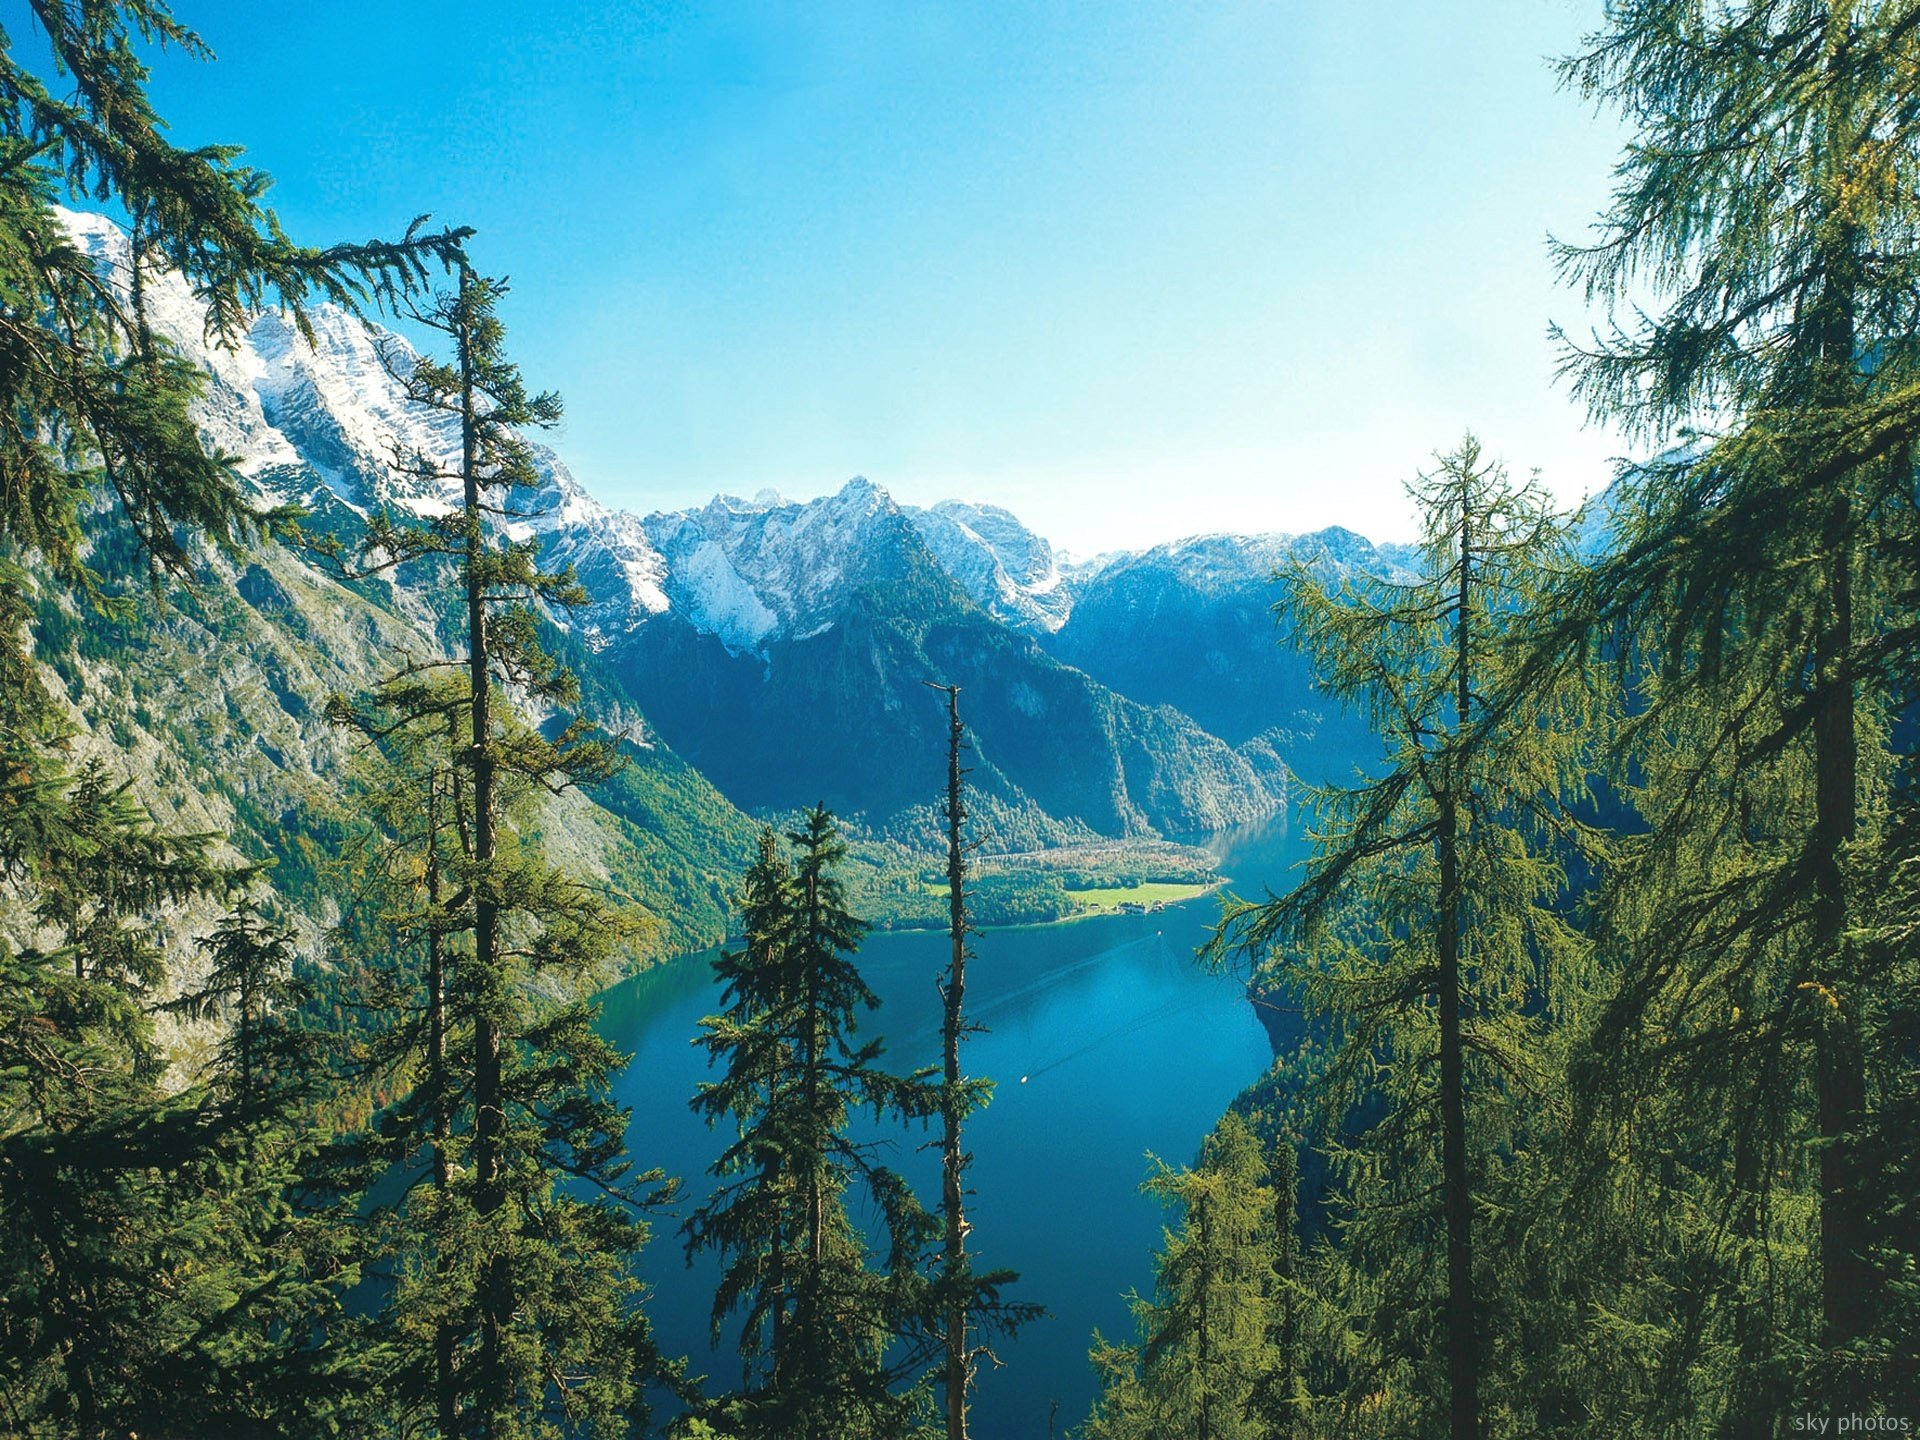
(334, 410)
(781, 645)
(1221, 564)
(1004, 567)
(752, 571)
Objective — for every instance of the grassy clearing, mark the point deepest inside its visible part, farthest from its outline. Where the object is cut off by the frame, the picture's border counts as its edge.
(1150, 892)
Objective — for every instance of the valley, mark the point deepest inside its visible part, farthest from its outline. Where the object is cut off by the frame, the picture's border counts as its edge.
(732, 648)
(762, 945)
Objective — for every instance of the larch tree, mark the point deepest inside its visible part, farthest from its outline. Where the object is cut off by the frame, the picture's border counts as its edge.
(1431, 911)
(1204, 1343)
(1280, 1398)
(1762, 240)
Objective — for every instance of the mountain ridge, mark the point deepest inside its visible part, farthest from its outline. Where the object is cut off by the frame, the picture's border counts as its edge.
(738, 627)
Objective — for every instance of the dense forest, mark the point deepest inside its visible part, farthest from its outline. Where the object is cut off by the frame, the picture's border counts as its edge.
(1604, 1117)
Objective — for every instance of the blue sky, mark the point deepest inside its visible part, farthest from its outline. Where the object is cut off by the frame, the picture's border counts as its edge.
(1132, 270)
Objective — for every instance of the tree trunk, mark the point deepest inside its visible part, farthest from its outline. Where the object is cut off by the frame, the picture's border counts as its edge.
(1839, 1083)
(446, 1393)
(496, 1282)
(952, 1158)
(1463, 1398)
(808, 1320)
(1286, 1265)
(1203, 1356)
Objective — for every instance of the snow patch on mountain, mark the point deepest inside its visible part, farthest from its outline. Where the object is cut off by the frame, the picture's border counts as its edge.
(230, 411)
(751, 571)
(336, 406)
(1006, 569)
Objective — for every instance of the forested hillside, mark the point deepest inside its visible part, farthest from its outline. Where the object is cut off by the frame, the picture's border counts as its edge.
(211, 701)
(348, 748)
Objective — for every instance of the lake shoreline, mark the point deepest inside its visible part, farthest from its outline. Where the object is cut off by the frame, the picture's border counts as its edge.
(1210, 887)
(1201, 892)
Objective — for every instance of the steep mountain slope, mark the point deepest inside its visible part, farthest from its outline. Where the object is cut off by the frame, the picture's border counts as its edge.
(779, 647)
(1188, 624)
(333, 412)
(1005, 568)
(1191, 624)
(210, 702)
(789, 667)
(210, 699)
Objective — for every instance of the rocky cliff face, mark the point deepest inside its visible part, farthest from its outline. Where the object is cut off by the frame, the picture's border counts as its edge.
(1004, 568)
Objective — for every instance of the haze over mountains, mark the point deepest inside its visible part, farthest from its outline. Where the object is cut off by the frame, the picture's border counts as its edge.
(767, 650)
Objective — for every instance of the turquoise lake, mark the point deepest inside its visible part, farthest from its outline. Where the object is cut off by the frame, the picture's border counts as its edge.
(1107, 1042)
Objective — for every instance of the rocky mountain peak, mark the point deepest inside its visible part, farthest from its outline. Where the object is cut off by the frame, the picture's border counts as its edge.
(752, 571)
(1007, 570)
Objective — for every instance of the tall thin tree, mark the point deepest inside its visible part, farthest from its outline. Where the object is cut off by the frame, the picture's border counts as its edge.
(954, 1102)
(1431, 906)
(970, 1303)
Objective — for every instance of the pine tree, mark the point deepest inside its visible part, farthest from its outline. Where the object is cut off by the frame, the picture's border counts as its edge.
(1430, 911)
(831, 1339)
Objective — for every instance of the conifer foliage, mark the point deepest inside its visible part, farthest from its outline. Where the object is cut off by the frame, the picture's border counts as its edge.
(1206, 1363)
(1761, 568)
(155, 1275)
(517, 1286)
(833, 1334)
(1603, 1119)
(1431, 912)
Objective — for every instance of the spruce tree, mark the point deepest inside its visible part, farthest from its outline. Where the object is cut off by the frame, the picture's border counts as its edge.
(517, 1281)
(833, 1335)
(146, 1279)
(160, 1274)
(251, 989)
